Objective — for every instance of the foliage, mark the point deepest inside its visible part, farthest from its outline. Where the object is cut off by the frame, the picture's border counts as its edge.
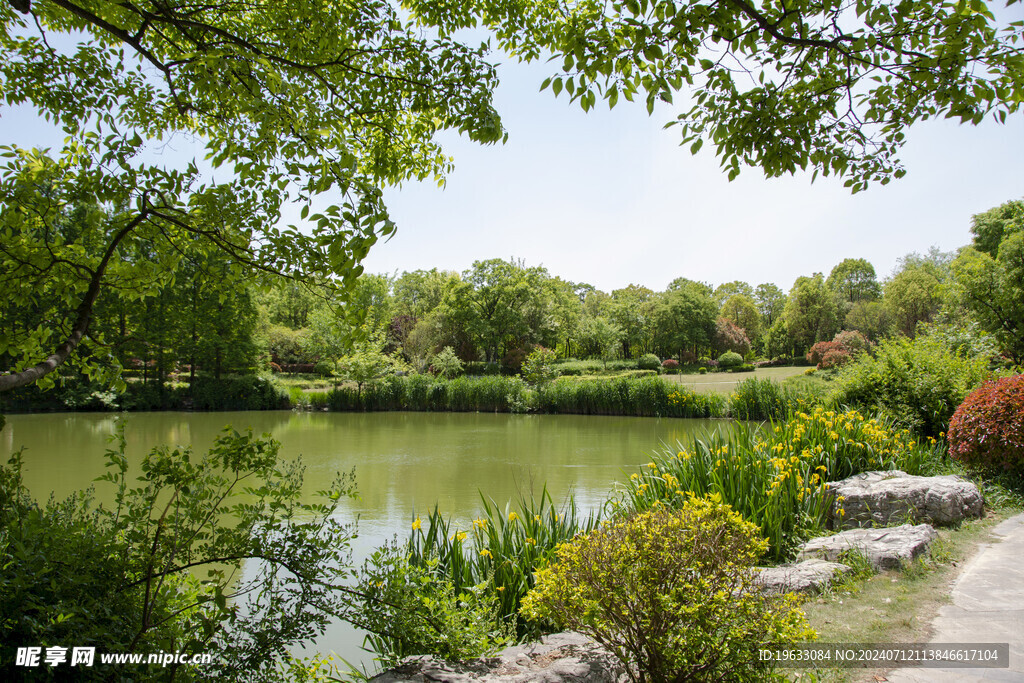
(854, 280)
(730, 359)
(414, 609)
(730, 338)
(502, 549)
(648, 361)
(991, 227)
(161, 568)
(640, 397)
(742, 312)
(446, 364)
(917, 383)
(670, 365)
(539, 366)
(684, 318)
(345, 106)
(914, 294)
(491, 393)
(992, 289)
(811, 313)
(761, 399)
(987, 429)
(775, 475)
(285, 345)
(670, 593)
(837, 84)
(367, 362)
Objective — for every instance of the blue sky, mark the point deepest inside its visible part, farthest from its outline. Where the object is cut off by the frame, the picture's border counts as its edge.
(610, 198)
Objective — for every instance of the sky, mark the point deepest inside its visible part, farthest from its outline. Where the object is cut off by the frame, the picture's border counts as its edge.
(610, 198)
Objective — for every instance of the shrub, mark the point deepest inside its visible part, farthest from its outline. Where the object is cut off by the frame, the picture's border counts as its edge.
(744, 367)
(834, 358)
(415, 609)
(670, 594)
(446, 364)
(539, 366)
(987, 429)
(775, 476)
(730, 359)
(648, 361)
(670, 365)
(324, 368)
(126, 577)
(702, 370)
(917, 383)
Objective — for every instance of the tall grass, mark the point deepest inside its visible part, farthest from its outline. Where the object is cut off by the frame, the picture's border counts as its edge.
(504, 545)
(763, 399)
(775, 475)
(640, 397)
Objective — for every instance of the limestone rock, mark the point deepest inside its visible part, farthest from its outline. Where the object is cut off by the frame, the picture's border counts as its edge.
(809, 576)
(882, 498)
(558, 658)
(884, 548)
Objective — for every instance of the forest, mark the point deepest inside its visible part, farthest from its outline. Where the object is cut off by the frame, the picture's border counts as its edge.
(210, 324)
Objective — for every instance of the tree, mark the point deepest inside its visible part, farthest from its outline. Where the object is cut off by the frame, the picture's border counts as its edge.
(811, 312)
(990, 227)
(854, 280)
(291, 119)
(599, 338)
(741, 310)
(684, 318)
(992, 289)
(631, 310)
(366, 362)
(729, 289)
(770, 302)
(914, 294)
(830, 86)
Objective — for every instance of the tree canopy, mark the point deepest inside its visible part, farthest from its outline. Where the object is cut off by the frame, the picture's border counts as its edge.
(803, 84)
(294, 119)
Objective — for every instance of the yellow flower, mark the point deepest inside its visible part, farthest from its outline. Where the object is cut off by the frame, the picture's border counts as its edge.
(634, 476)
(481, 523)
(652, 465)
(417, 524)
(485, 552)
(531, 541)
(536, 518)
(512, 516)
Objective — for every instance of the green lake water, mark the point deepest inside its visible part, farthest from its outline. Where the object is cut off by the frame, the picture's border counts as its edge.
(404, 462)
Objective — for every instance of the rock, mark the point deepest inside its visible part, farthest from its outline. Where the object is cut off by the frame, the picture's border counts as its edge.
(884, 548)
(560, 657)
(809, 576)
(883, 498)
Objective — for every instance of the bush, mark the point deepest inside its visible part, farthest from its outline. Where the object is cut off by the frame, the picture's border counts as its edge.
(745, 367)
(446, 364)
(775, 476)
(702, 370)
(759, 399)
(670, 594)
(834, 358)
(670, 365)
(539, 366)
(730, 359)
(324, 368)
(987, 429)
(648, 361)
(125, 577)
(917, 383)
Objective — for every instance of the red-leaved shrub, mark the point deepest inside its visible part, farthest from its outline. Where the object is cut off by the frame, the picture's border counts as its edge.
(988, 427)
(834, 358)
(670, 364)
(818, 351)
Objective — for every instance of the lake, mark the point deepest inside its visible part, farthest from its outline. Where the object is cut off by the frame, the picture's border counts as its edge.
(404, 462)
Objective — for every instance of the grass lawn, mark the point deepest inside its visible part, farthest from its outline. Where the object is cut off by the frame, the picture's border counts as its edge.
(893, 606)
(725, 382)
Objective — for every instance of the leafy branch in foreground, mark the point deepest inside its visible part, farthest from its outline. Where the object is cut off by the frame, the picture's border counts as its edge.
(212, 556)
(783, 86)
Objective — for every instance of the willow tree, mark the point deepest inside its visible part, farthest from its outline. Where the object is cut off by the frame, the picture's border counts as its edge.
(305, 110)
